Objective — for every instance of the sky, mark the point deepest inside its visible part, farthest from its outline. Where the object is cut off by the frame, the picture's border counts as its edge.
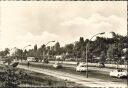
(38, 22)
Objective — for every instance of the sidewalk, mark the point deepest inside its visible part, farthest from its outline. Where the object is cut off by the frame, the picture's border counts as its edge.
(90, 82)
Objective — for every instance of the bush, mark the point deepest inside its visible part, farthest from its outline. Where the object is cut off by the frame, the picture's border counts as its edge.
(12, 77)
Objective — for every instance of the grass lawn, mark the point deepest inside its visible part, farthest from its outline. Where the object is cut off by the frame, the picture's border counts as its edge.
(0, 83)
(32, 79)
(45, 80)
(0, 79)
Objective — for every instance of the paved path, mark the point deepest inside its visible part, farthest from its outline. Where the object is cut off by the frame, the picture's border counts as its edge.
(90, 82)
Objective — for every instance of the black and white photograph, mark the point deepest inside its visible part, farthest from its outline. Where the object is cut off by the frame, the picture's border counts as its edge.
(63, 44)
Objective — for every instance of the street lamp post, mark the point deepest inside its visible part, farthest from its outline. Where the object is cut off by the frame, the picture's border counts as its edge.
(87, 51)
(23, 51)
(46, 45)
(26, 46)
(49, 42)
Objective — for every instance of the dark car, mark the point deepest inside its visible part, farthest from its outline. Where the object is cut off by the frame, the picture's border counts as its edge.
(45, 61)
(101, 65)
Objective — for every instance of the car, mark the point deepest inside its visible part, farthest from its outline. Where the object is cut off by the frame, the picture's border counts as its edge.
(82, 63)
(31, 59)
(118, 73)
(101, 65)
(14, 64)
(81, 67)
(57, 65)
(45, 61)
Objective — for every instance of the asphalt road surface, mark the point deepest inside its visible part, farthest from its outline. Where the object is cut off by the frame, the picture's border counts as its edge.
(87, 82)
(94, 72)
(96, 78)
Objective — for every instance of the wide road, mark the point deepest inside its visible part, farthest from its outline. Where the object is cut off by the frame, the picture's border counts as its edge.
(93, 72)
(87, 82)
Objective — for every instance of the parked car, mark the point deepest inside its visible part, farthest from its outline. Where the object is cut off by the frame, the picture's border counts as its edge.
(82, 63)
(57, 65)
(14, 64)
(45, 61)
(81, 67)
(118, 73)
(31, 59)
(101, 65)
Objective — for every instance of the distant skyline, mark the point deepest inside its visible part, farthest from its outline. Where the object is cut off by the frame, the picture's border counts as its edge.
(37, 22)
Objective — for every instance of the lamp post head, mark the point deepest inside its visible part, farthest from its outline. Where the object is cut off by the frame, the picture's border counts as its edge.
(102, 33)
(29, 45)
(49, 42)
(52, 41)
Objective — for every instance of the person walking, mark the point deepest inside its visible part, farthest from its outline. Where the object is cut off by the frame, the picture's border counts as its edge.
(28, 64)
(78, 63)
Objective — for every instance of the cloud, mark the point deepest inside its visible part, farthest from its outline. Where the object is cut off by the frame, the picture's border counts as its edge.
(21, 41)
(25, 23)
(35, 39)
(95, 23)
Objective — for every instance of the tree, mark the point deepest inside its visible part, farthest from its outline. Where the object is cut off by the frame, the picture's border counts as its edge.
(81, 40)
(69, 49)
(57, 48)
(80, 47)
(2, 53)
(18, 53)
(35, 48)
(102, 57)
(35, 52)
(114, 53)
(6, 51)
(52, 51)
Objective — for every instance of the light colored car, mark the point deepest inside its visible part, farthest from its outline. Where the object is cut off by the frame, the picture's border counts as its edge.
(81, 67)
(45, 61)
(31, 59)
(118, 73)
(57, 65)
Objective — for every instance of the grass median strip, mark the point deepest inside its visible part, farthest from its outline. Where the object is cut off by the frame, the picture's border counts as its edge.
(46, 80)
(41, 80)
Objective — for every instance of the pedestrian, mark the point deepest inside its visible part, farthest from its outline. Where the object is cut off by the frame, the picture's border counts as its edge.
(77, 63)
(28, 64)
